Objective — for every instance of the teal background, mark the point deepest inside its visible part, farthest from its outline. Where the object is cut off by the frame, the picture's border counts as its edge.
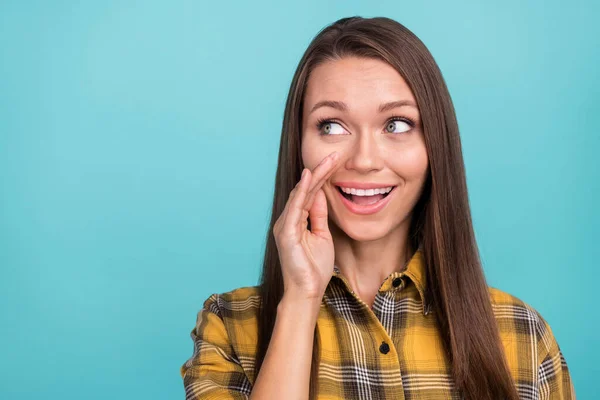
(138, 146)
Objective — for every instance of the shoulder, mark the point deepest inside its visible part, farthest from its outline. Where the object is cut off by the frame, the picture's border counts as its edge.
(233, 317)
(505, 304)
(531, 347)
(500, 297)
(238, 304)
(225, 338)
(513, 313)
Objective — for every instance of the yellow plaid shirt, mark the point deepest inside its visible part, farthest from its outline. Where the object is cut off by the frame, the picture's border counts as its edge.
(392, 351)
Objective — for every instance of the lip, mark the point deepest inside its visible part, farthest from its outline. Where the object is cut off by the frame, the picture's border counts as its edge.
(368, 209)
(359, 185)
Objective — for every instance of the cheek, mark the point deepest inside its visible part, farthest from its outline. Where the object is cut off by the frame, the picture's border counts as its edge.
(313, 153)
(411, 163)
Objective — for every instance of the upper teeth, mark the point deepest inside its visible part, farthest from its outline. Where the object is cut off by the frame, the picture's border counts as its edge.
(367, 192)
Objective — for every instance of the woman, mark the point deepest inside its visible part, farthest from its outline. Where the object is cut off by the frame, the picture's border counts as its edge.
(372, 286)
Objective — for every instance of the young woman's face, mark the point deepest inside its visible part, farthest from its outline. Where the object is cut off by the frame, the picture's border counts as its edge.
(382, 148)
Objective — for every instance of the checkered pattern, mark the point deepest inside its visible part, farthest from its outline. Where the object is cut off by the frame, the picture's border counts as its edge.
(352, 364)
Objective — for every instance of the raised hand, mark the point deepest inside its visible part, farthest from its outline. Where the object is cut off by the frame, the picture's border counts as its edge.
(306, 257)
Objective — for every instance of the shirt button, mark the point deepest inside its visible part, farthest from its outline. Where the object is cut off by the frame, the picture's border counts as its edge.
(384, 348)
(396, 282)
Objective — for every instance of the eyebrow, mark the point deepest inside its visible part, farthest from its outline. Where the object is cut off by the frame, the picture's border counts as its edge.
(340, 105)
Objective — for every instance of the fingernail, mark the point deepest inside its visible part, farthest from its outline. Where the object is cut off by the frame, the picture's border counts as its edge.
(304, 173)
(334, 155)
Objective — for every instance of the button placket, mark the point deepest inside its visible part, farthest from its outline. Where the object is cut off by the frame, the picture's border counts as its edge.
(384, 348)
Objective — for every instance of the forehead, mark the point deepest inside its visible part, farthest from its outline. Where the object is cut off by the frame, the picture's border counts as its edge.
(359, 82)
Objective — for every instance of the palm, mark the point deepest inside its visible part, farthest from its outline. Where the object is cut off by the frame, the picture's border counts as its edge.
(306, 256)
(319, 254)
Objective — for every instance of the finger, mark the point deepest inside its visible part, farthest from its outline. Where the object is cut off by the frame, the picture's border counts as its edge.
(303, 176)
(321, 170)
(296, 202)
(318, 215)
(312, 193)
(317, 182)
(281, 220)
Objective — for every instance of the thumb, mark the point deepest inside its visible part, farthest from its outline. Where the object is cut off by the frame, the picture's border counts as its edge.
(318, 215)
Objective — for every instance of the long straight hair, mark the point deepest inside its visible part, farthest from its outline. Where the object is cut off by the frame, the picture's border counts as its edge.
(441, 220)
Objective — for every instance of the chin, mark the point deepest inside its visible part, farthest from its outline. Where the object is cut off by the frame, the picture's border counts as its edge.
(364, 231)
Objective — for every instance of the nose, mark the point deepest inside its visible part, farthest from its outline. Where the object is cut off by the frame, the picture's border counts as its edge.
(364, 155)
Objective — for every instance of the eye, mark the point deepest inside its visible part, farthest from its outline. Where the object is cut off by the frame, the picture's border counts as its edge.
(328, 125)
(395, 125)
(398, 122)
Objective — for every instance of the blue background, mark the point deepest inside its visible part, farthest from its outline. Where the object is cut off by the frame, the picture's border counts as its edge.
(138, 146)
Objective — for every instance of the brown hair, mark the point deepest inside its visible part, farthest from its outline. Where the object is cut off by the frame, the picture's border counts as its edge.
(441, 220)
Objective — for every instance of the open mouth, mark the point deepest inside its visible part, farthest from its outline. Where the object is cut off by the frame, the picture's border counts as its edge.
(365, 200)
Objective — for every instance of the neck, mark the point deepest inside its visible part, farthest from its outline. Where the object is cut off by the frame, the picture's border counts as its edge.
(366, 264)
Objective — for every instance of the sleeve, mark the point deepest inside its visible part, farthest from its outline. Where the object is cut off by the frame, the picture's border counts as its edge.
(554, 379)
(213, 371)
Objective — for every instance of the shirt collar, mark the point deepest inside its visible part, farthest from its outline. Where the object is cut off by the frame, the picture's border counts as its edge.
(415, 270)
